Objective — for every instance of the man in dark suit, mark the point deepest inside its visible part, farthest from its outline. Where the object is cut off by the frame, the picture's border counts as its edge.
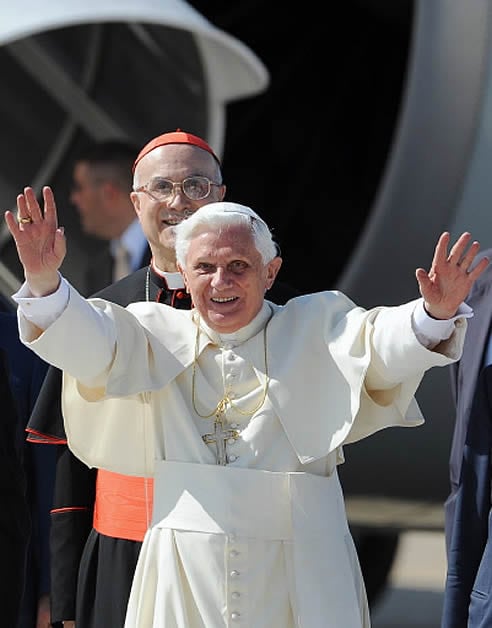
(464, 377)
(467, 507)
(174, 175)
(15, 523)
(101, 186)
(468, 591)
(27, 475)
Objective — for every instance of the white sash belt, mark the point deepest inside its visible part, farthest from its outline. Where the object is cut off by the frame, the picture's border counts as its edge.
(249, 502)
(222, 500)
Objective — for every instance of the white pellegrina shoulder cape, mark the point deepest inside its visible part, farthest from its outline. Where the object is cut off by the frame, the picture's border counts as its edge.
(263, 541)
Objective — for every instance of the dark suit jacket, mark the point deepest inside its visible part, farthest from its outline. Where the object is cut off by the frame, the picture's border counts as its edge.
(25, 372)
(468, 591)
(464, 375)
(15, 524)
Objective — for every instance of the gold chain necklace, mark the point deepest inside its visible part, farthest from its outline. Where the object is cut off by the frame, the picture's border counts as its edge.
(221, 407)
(147, 284)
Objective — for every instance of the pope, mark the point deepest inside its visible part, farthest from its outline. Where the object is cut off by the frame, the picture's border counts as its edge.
(239, 409)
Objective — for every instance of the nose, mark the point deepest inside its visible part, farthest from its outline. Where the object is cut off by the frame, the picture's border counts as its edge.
(74, 200)
(179, 202)
(177, 195)
(73, 193)
(221, 279)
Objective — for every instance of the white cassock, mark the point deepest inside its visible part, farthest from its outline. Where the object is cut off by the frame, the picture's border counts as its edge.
(262, 542)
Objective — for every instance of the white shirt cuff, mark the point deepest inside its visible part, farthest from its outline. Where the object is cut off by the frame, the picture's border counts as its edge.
(42, 311)
(431, 331)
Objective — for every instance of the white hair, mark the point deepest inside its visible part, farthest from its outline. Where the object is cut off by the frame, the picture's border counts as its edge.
(219, 216)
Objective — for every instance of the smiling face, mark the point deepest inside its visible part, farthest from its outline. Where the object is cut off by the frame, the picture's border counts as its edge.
(174, 162)
(227, 278)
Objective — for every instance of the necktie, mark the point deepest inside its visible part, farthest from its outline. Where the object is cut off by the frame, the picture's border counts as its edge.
(121, 266)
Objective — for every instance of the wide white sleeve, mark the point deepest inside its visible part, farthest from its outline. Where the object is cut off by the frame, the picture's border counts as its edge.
(81, 338)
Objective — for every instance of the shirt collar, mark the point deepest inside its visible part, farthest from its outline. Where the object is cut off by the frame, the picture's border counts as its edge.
(134, 241)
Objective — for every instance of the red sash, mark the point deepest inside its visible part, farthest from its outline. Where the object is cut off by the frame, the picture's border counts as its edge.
(123, 507)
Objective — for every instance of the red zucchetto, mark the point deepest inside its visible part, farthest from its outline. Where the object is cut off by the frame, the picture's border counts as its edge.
(175, 137)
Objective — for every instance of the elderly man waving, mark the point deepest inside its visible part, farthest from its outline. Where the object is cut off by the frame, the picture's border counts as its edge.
(239, 409)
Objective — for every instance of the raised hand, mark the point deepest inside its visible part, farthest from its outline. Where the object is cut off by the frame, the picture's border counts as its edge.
(451, 276)
(40, 243)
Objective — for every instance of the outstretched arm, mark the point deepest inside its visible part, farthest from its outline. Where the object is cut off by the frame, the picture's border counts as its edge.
(40, 243)
(447, 284)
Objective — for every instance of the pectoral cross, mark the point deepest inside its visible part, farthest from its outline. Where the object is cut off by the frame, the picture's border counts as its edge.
(220, 438)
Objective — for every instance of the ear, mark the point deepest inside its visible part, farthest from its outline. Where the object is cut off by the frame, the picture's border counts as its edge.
(185, 278)
(272, 271)
(109, 190)
(135, 199)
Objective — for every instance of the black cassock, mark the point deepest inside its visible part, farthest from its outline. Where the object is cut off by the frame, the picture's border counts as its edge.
(92, 594)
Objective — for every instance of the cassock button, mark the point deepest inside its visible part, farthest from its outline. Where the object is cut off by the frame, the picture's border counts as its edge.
(234, 573)
(231, 441)
(235, 595)
(233, 458)
(235, 616)
(234, 553)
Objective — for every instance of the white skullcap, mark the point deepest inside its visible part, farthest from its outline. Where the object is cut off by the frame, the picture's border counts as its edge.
(229, 208)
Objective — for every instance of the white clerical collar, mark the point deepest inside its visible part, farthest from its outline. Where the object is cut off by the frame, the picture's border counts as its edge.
(241, 335)
(174, 281)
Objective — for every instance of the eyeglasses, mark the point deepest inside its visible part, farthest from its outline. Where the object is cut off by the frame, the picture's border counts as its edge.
(194, 188)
